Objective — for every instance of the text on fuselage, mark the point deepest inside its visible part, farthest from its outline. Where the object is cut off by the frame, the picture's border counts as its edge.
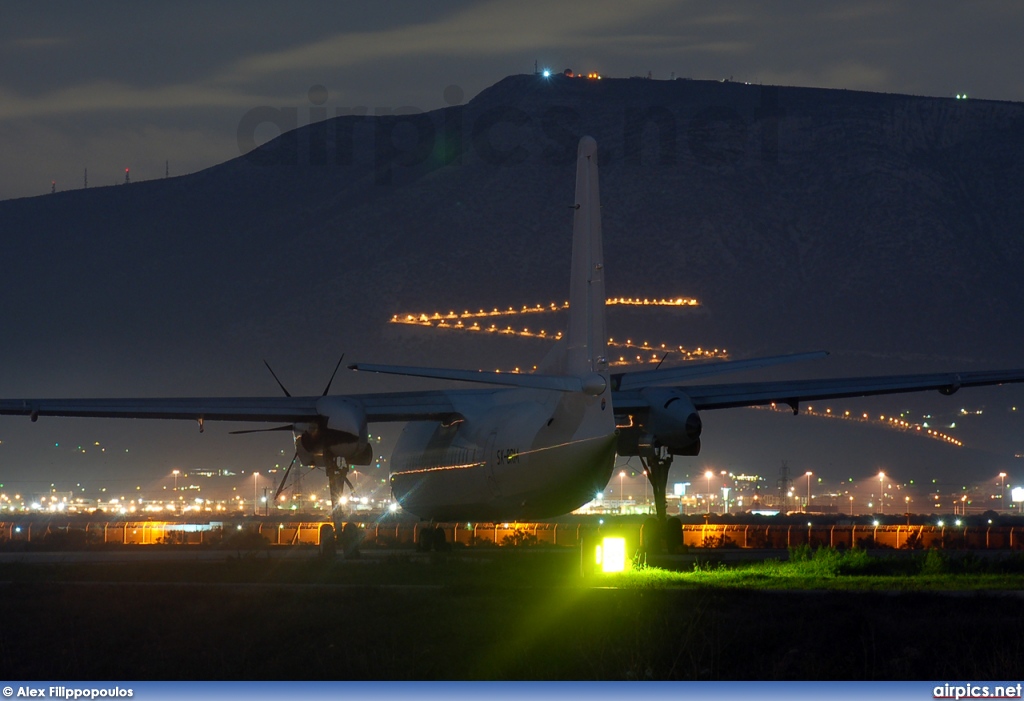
(507, 456)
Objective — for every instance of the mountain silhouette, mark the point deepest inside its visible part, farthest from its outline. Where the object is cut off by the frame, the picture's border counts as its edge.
(883, 228)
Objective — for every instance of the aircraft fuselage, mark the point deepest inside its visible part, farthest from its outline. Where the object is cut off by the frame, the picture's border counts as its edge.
(520, 454)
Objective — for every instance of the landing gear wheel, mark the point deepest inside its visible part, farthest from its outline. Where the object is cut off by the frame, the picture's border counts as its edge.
(425, 540)
(328, 543)
(674, 535)
(441, 543)
(652, 536)
(351, 537)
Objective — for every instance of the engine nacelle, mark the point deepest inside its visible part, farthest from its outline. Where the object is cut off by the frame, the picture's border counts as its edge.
(672, 420)
(341, 433)
(342, 415)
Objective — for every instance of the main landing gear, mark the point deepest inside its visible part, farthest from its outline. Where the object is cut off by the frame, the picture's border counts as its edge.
(656, 462)
(659, 534)
(347, 535)
(432, 538)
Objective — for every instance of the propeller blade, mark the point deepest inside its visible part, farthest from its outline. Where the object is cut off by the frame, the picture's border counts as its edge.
(284, 477)
(662, 359)
(279, 383)
(289, 427)
(350, 487)
(331, 381)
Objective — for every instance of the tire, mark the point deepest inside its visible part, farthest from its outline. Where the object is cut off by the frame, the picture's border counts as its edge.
(674, 535)
(652, 537)
(328, 543)
(441, 543)
(425, 540)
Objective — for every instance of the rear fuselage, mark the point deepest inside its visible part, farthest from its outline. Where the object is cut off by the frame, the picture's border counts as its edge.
(520, 454)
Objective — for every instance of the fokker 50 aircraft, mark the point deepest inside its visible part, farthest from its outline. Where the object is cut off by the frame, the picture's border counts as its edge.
(530, 445)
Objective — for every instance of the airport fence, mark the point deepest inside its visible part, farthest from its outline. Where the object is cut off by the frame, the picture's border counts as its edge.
(56, 534)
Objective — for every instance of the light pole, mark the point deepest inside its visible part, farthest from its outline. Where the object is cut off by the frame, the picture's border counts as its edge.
(881, 493)
(709, 474)
(808, 476)
(175, 473)
(622, 475)
(1002, 487)
(851, 505)
(255, 498)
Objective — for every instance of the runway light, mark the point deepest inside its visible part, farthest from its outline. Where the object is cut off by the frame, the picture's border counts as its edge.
(611, 554)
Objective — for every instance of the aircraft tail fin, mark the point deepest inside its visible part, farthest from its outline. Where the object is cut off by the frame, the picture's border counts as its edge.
(586, 337)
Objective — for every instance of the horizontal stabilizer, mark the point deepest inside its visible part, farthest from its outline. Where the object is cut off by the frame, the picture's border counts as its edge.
(561, 383)
(668, 376)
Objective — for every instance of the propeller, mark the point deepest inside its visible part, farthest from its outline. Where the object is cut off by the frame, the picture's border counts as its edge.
(279, 383)
(289, 427)
(330, 381)
(284, 477)
(292, 427)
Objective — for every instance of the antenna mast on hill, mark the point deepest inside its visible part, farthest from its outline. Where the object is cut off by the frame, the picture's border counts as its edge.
(167, 169)
(86, 178)
(127, 179)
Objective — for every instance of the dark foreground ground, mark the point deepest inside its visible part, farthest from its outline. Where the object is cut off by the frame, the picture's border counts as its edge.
(516, 615)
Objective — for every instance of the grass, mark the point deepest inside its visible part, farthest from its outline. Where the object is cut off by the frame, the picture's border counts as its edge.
(849, 570)
(511, 614)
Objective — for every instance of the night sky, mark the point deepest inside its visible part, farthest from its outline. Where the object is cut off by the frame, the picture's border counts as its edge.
(104, 87)
(162, 88)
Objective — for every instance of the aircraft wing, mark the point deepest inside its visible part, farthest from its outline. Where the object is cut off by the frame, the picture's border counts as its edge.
(639, 379)
(795, 391)
(396, 406)
(219, 408)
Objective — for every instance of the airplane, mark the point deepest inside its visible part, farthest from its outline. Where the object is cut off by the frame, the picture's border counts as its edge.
(528, 446)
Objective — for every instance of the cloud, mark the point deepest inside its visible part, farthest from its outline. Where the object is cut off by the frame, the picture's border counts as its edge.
(484, 29)
(33, 43)
(117, 97)
(850, 75)
(45, 152)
